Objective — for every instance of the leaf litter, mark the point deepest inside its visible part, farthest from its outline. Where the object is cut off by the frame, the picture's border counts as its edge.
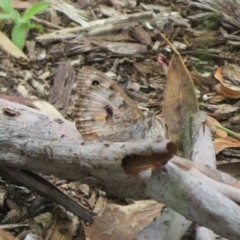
(124, 39)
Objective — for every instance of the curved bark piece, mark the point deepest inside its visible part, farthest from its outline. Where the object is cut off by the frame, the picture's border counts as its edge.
(37, 182)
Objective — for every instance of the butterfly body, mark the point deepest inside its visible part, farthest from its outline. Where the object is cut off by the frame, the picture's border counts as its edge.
(105, 113)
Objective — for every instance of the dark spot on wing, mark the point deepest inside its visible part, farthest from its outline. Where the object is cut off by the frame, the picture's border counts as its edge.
(95, 82)
(109, 111)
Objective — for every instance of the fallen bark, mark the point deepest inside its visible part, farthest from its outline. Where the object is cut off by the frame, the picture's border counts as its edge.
(195, 200)
(37, 142)
(169, 225)
(202, 139)
(213, 173)
(204, 233)
(110, 25)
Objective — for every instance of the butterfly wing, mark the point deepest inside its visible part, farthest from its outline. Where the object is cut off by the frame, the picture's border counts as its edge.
(104, 111)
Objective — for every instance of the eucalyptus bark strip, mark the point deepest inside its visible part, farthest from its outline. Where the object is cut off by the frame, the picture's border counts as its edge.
(202, 139)
(109, 25)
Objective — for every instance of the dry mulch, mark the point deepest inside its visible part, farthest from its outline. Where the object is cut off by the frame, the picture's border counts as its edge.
(122, 39)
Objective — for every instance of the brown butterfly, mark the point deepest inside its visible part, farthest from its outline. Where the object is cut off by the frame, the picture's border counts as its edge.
(105, 113)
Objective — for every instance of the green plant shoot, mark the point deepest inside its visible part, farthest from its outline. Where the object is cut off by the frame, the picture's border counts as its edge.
(22, 24)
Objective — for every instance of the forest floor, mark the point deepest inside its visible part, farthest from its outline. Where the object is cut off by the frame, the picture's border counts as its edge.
(121, 38)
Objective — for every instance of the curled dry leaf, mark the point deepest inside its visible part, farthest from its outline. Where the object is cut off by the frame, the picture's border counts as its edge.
(218, 132)
(220, 144)
(123, 222)
(227, 89)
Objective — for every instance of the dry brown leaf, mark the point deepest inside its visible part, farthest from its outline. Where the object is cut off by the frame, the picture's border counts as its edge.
(219, 132)
(142, 36)
(46, 107)
(123, 222)
(6, 236)
(179, 97)
(7, 46)
(64, 229)
(232, 168)
(227, 89)
(142, 69)
(220, 144)
(43, 106)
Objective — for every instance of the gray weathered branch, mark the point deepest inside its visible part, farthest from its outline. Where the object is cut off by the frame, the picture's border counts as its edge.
(34, 141)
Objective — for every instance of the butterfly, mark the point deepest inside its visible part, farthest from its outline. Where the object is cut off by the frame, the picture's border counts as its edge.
(104, 112)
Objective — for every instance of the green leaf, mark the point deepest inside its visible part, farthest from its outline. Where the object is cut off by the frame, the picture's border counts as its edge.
(6, 5)
(36, 8)
(14, 16)
(180, 100)
(38, 27)
(35, 26)
(9, 16)
(19, 35)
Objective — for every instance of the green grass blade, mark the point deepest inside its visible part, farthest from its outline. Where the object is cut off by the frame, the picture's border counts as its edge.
(19, 35)
(6, 5)
(36, 8)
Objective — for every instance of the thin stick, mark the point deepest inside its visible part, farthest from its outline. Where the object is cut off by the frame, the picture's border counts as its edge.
(170, 44)
(234, 134)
